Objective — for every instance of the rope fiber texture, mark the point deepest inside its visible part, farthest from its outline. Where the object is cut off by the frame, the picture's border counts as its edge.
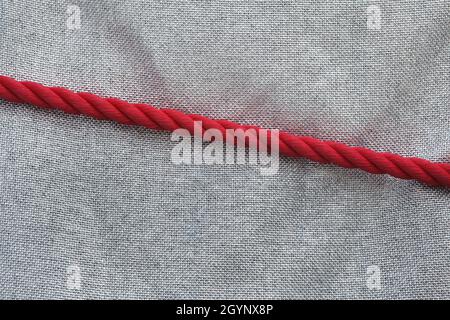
(430, 173)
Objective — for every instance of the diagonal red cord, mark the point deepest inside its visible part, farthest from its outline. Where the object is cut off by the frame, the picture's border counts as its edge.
(430, 173)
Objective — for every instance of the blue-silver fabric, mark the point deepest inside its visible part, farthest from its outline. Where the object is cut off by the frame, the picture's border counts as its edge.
(93, 209)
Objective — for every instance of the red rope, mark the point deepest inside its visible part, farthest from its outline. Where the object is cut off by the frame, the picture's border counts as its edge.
(430, 173)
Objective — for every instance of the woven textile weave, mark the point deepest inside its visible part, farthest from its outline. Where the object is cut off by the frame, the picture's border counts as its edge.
(104, 202)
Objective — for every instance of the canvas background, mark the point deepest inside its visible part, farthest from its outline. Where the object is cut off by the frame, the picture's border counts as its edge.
(106, 197)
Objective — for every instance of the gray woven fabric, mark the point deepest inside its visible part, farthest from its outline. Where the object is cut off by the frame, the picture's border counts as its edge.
(103, 204)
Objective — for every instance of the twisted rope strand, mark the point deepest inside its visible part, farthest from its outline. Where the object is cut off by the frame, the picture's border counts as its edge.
(430, 173)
